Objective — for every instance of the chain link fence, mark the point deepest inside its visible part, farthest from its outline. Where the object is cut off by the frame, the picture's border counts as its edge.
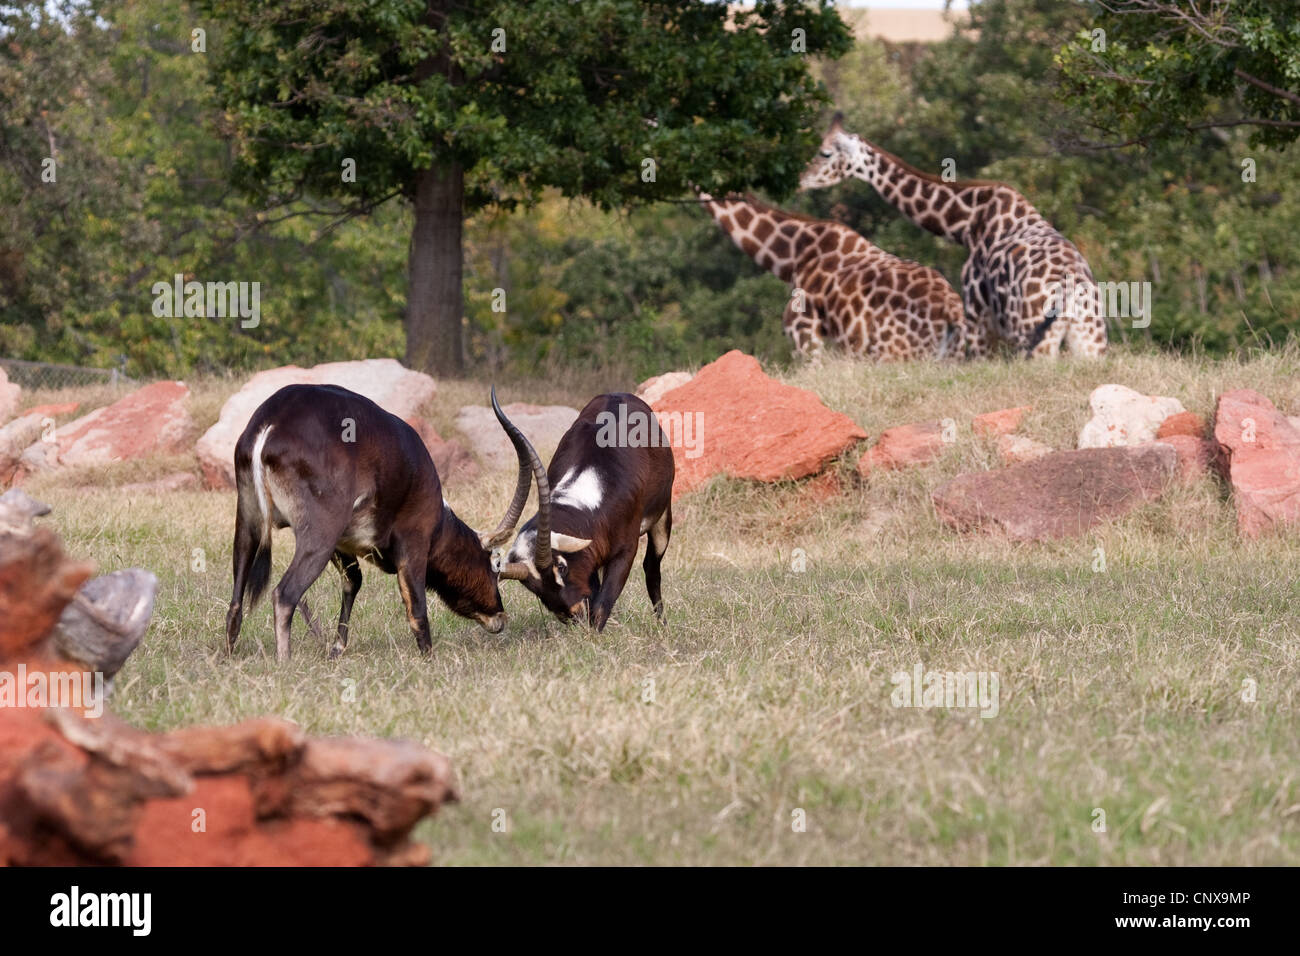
(42, 375)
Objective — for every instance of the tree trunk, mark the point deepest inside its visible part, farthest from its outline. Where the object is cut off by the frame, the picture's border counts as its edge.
(434, 304)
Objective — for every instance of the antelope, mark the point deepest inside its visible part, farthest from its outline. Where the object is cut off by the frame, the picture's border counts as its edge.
(593, 505)
(354, 481)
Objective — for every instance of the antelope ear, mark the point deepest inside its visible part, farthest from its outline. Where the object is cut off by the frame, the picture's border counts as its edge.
(567, 544)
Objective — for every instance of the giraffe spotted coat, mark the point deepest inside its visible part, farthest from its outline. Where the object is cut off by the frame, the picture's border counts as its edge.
(847, 290)
(1023, 281)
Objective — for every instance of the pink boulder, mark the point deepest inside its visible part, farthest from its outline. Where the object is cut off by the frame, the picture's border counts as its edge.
(1059, 495)
(1003, 422)
(151, 420)
(903, 447)
(1260, 452)
(384, 381)
(731, 419)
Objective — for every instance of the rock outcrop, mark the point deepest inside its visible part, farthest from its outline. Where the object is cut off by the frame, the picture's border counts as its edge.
(1059, 495)
(78, 786)
(731, 419)
(1260, 456)
(1121, 416)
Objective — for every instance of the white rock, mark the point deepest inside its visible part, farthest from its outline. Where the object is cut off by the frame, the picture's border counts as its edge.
(656, 387)
(544, 425)
(1121, 416)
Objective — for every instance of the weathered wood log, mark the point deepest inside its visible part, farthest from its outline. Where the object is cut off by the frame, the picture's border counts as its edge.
(107, 618)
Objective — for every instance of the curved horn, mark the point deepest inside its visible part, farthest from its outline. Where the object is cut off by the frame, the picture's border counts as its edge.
(528, 459)
(522, 486)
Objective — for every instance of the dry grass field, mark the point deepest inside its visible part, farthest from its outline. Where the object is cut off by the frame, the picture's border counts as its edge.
(768, 692)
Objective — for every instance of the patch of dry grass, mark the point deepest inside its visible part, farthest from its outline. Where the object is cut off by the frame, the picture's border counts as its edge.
(769, 690)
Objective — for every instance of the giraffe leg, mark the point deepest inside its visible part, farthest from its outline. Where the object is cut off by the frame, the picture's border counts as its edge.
(801, 326)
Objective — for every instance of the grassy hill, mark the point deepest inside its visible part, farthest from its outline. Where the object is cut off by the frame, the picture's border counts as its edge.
(769, 690)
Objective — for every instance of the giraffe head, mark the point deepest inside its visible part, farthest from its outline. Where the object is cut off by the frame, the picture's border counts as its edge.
(842, 155)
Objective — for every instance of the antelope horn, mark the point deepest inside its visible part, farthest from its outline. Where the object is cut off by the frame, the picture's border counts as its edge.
(514, 571)
(522, 486)
(528, 460)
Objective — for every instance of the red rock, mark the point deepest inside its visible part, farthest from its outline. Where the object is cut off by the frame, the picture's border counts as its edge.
(79, 789)
(149, 421)
(744, 424)
(1196, 456)
(903, 447)
(1060, 495)
(1002, 422)
(452, 459)
(1183, 423)
(1260, 454)
(1016, 449)
(57, 410)
(384, 381)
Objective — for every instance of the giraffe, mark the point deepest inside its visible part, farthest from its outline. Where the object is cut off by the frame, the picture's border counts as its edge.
(1023, 281)
(845, 289)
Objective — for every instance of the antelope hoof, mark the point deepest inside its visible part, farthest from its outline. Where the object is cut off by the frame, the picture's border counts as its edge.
(336, 650)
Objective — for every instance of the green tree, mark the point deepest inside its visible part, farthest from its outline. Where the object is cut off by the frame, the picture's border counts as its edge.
(1149, 70)
(457, 107)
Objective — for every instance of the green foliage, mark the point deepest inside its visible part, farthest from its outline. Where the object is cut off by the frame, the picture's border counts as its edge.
(140, 195)
(524, 96)
(664, 288)
(1153, 70)
(145, 158)
(1179, 214)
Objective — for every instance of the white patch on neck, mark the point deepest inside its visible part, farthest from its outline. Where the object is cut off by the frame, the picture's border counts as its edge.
(580, 489)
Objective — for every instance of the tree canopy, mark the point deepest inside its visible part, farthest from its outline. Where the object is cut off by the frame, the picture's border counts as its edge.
(457, 107)
(1145, 70)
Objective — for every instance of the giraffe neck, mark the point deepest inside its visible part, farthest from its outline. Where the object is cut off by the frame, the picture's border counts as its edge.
(958, 211)
(771, 237)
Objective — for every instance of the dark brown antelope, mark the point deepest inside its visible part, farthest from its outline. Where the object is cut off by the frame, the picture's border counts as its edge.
(602, 492)
(354, 481)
